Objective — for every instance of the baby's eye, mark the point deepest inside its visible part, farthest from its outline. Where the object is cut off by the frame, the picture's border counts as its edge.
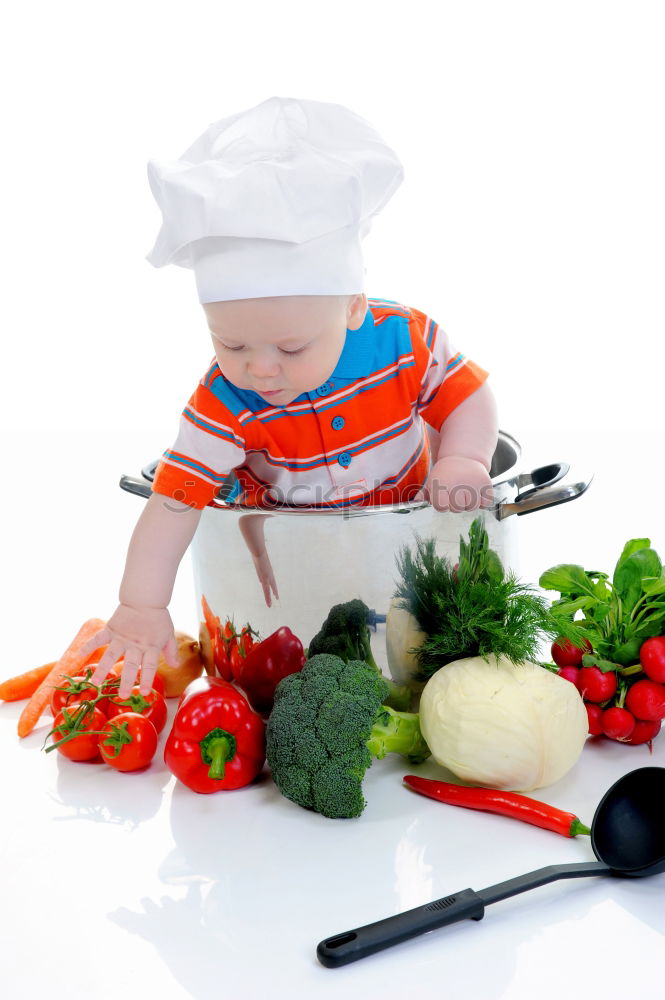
(227, 348)
(298, 350)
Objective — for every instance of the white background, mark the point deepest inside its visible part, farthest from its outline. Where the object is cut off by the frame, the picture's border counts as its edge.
(530, 225)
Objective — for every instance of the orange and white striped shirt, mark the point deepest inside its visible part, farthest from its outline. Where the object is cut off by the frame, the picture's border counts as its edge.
(357, 439)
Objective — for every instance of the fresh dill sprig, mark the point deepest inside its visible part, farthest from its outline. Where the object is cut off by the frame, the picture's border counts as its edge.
(474, 608)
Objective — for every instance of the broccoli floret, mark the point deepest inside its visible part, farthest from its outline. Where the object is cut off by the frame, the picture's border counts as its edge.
(328, 722)
(346, 634)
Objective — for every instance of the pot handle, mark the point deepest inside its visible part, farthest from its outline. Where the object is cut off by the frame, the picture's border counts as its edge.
(140, 487)
(547, 486)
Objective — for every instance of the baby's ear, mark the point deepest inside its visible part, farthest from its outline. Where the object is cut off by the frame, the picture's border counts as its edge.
(356, 311)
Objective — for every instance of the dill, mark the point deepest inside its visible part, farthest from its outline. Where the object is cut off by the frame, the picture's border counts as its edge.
(474, 608)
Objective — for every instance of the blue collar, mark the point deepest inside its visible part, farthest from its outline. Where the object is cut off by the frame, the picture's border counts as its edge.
(357, 354)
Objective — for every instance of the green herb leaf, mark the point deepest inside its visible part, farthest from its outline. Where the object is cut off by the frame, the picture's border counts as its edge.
(631, 546)
(564, 607)
(627, 652)
(569, 579)
(642, 564)
(591, 660)
(653, 585)
(475, 610)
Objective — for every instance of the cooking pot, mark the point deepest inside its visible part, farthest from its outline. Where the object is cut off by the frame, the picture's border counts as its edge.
(317, 557)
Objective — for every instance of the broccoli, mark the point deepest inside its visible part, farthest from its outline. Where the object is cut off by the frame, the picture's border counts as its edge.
(345, 633)
(328, 721)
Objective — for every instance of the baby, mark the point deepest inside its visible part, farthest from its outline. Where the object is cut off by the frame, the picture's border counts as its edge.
(316, 395)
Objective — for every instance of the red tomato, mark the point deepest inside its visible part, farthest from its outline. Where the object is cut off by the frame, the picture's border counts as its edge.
(652, 658)
(596, 686)
(157, 683)
(86, 745)
(78, 689)
(152, 706)
(565, 654)
(128, 741)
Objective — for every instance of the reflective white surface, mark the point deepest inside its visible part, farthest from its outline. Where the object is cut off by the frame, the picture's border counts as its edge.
(115, 882)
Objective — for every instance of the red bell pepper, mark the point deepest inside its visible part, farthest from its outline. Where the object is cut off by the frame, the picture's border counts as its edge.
(266, 664)
(217, 740)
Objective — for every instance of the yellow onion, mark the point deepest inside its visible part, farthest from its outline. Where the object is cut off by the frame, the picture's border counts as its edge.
(190, 666)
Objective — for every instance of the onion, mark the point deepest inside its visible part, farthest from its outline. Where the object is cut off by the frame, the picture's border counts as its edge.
(190, 666)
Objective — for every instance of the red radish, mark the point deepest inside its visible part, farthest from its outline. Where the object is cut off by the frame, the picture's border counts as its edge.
(596, 686)
(595, 715)
(617, 723)
(643, 732)
(565, 654)
(569, 674)
(652, 658)
(646, 700)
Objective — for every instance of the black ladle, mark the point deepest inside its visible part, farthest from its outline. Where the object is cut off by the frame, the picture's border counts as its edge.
(627, 837)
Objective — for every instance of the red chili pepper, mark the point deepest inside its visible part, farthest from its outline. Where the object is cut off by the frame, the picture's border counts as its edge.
(217, 741)
(503, 803)
(277, 656)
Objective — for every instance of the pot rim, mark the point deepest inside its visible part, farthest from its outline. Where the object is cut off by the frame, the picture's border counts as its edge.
(397, 507)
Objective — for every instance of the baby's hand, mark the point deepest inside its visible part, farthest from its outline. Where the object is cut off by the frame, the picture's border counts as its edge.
(266, 576)
(456, 483)
(140, 635)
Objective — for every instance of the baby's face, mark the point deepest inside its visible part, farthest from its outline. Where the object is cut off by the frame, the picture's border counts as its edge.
(282, 346)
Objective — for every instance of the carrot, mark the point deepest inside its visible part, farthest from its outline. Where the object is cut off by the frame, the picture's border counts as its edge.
(67, 664)
(23, 685)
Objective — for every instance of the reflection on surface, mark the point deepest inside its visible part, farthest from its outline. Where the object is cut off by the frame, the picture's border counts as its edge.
(413, 876)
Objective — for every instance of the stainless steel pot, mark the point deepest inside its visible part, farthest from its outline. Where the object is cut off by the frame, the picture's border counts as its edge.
(320, 557)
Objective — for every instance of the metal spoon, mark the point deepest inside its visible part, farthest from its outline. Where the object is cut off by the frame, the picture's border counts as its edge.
(627, 837)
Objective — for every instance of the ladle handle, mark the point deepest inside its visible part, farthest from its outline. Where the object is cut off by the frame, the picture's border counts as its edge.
(352, 945)
(465, 905)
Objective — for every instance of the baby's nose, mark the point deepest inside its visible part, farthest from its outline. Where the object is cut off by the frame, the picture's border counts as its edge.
(263, 364)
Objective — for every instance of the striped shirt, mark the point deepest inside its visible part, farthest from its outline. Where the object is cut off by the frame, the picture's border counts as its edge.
(359, 438)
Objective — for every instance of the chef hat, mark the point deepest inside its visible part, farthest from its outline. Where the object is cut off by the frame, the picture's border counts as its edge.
(274, 201)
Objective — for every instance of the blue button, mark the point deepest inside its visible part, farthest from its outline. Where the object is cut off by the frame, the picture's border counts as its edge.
(325, 389)
(344, 459)
(337, 423)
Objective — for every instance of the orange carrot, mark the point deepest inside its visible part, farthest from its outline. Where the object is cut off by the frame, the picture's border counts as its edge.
(23, 685)
(68, 663)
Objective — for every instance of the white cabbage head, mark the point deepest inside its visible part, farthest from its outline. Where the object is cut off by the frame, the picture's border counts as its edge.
(503, 725)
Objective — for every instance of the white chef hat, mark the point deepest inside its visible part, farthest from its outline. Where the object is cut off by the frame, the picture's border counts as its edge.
(274, 201)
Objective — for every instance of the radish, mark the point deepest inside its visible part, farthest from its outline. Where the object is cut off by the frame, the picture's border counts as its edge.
(652, 658)
(646, 700)
(569, 674)
(565, 654)
(596, 686)
(595, 714)
(644, 732)
(617, 723)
